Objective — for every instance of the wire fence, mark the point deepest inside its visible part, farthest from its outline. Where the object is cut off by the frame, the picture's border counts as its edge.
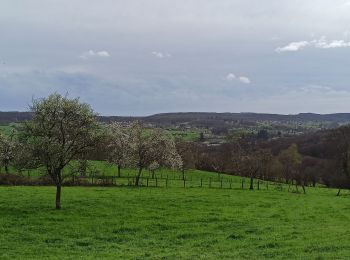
(147, 179)
(166, 182)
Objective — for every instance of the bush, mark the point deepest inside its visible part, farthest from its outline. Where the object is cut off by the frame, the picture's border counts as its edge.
(13, 179)
(77, 182)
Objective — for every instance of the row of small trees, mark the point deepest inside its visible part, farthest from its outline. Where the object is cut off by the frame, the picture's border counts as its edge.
(133, 145)
(255, 162)
(322, 157)
(63, 130)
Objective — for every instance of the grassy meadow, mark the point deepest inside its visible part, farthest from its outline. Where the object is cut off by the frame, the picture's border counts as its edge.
(194, 178)
(5, 129)
(173, 223)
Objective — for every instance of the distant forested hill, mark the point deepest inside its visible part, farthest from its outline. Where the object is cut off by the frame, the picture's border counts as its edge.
(202, 118)
(14, 117)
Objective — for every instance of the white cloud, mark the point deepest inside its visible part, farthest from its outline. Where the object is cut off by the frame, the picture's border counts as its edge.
(316, 88)
(230, 77)
(161, 55)
(321, 43)
(293, 46)
(91, 54)
(242, 79)
(103, 54)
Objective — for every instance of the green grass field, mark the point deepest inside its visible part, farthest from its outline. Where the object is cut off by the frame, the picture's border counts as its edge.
(5, 129)
(173, 223)
(193, 177)
(186, 135)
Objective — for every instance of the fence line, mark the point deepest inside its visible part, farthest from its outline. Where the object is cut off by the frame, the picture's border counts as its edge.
(155, 180)
(168, 182)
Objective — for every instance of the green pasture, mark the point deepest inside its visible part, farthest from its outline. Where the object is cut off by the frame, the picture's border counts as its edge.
(173, 223)
(5, 129)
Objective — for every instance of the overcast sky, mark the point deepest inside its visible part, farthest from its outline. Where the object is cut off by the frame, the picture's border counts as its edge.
(138, 57)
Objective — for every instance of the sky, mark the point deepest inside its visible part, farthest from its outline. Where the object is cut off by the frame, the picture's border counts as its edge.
(138, 57)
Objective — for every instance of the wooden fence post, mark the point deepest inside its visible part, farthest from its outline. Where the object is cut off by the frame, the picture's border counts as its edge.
(201, 182)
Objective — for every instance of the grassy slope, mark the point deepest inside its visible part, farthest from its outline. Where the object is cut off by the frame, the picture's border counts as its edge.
(173, 223)
(105, 168)
(5, 129)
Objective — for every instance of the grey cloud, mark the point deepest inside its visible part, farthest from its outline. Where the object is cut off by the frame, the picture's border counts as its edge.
(127, 70)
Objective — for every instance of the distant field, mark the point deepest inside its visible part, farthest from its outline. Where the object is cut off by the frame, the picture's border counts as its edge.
(173, 223)
(187, 135)
(5, 129)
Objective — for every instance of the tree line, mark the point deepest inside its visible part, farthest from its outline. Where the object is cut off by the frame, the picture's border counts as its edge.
(62, 130)
(306, 160)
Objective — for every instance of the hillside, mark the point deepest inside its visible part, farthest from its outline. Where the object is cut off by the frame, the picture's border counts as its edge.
(171, 118)
(173, 223)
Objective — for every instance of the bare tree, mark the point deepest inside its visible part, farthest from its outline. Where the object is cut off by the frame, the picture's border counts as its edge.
(186, 152)
(250, 160)
(339, 140)
(291, 161)
(61, 130)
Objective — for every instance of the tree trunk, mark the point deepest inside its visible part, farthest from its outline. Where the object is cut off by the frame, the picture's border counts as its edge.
(137, 180)
(251, 183)
(338, 192)
(6, 169)
(183, 173)
(119, 170)
(58, 196)
(303, 186)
